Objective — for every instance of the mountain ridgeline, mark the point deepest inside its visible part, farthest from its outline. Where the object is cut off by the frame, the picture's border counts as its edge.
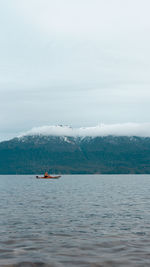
(70, 155)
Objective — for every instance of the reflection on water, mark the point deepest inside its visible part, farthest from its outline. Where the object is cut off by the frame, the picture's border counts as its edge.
(80, 220)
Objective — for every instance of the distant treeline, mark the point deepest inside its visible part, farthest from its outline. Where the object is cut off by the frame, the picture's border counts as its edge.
(68, 155)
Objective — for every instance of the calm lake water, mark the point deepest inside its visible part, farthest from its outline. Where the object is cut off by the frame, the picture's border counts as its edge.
(77, 220)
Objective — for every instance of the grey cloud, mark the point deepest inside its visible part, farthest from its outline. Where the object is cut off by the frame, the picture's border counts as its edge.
(126, 129)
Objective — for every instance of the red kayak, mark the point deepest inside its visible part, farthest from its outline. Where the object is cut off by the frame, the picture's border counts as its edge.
(49, 177)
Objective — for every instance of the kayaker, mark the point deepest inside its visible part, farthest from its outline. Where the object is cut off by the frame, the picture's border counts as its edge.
(46, 175)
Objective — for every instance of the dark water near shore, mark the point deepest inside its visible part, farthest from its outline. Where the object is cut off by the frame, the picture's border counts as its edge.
(78, 220)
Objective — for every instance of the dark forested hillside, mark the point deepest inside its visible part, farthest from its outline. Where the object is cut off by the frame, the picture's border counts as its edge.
(110, 154)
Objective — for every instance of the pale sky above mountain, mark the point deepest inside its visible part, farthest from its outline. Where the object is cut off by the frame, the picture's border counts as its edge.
(73, 62)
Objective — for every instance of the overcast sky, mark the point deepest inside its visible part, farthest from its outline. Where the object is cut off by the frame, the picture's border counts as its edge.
(73, 62)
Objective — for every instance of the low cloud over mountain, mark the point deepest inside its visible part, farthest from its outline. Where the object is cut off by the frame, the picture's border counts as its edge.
(119, 129)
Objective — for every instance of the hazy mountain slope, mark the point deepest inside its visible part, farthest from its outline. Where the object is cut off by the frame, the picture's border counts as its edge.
(110, 154)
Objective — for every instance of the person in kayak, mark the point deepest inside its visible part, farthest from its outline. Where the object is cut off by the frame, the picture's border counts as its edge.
(46, 175)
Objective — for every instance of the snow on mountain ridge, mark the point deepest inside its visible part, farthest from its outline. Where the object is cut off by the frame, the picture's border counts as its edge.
(124, 129)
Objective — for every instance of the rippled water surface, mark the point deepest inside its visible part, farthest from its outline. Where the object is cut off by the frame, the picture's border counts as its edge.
(77, 220)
